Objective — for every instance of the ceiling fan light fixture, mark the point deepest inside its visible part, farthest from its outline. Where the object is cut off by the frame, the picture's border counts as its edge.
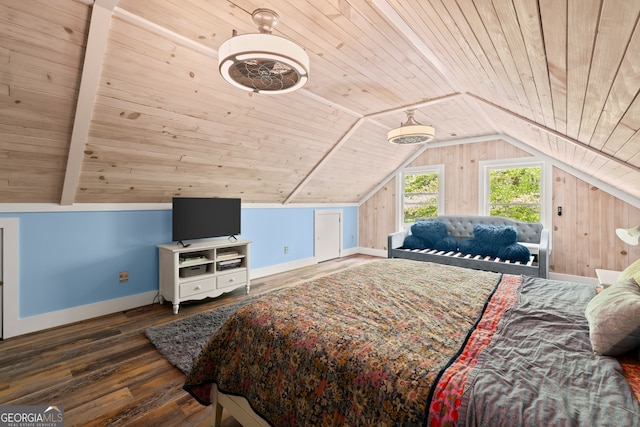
(411, 132)
(263, 63)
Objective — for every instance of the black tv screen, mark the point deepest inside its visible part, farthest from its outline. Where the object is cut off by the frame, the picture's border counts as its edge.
(205, 217)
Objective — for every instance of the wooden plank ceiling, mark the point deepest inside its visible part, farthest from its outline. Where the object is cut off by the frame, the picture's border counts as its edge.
(121, 101)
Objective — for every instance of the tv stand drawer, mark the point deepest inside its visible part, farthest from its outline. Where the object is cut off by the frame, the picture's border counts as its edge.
(237, 278)
(197, 287)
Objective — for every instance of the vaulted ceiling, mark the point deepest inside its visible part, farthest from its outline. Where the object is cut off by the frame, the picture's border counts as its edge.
(121, 100)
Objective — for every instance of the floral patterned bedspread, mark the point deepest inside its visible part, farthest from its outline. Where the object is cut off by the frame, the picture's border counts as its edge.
(359, 347)
(401, 342)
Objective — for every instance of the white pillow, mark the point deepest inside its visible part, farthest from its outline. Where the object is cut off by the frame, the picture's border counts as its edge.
(614, 319)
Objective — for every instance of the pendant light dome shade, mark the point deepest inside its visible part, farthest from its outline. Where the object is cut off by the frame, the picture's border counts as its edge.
(411, 132)
(630, 235)
(263, 62)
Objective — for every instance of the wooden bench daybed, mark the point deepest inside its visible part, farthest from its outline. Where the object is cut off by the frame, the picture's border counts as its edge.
(530, 234)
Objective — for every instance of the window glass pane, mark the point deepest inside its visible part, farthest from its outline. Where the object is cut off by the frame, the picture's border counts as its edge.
(515, 193)
(420, 198)
(520, 213)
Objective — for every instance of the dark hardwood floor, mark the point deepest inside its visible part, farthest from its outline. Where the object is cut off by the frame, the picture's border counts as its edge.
(104, 371)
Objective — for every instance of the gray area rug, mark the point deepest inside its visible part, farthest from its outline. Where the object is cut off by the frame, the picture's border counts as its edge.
(180, 341)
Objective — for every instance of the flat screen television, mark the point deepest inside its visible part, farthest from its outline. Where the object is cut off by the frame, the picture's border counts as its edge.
(204, 217)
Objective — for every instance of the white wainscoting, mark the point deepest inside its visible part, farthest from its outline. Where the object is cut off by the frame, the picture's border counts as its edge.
(10, 276)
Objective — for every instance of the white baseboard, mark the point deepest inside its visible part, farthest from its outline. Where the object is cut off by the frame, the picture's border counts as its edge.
(351, 251)
(40, 322)
(373, 252)
(256, 273)
(305, 262)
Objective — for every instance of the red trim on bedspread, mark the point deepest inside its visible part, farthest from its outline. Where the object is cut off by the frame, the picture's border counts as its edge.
(448, 393)
(631, 370)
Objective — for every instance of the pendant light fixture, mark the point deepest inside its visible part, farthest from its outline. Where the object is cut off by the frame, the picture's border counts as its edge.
(263, 63)
(411, 132)
(630, 235)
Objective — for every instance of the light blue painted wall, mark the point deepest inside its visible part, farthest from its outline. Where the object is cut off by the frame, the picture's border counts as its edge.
(69, 259)
(350, 228)
(270, 230)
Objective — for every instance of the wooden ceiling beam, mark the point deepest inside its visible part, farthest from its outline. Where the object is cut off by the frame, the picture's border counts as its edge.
(387, 10)
(322, 161)
(91, 72)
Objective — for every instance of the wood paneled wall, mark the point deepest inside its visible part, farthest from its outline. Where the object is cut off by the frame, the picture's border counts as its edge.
(583, 237)
(377, 218)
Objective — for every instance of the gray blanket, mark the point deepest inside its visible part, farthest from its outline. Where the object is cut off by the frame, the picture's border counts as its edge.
(539, 385)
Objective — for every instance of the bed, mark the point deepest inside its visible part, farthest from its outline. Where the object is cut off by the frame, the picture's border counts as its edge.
(402, 342)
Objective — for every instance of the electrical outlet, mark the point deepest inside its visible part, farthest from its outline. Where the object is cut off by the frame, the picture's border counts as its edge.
(286, 249)
(353, 238)
(124, 276)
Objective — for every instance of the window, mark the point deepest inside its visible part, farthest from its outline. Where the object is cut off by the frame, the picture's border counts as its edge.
(420, 194)
(514, 190)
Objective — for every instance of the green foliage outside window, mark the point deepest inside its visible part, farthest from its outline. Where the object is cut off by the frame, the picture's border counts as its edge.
(420, 196)
(515, 193)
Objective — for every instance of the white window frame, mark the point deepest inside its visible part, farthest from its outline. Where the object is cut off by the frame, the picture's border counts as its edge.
(438, 169)
(486, 166)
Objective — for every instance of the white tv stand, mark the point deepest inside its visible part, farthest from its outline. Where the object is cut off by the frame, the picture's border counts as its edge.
(202, 269)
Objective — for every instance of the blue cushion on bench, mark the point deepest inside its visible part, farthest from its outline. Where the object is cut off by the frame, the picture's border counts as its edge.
(495, 241)
(472, 247)
(515, 252)
(430, 231)
(430, 235)
(413, 242)
(446, 244)
(496, 235)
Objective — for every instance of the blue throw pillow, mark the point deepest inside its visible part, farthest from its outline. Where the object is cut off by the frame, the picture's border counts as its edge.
(471, 246)
(413, 242)
(489, 240)
(499, 235)
(515, 252)
(432, 235)
(447, 244)
(430, 231)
